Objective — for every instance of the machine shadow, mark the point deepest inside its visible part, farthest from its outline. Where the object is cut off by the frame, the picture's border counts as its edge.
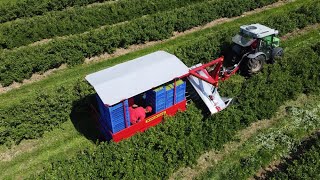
(83, 119)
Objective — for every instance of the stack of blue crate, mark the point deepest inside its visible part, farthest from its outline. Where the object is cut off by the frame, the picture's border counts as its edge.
(180, 93)
(156, 99)
(169, 95)
(113, 117)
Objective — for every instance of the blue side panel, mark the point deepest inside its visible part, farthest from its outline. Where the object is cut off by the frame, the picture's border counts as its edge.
(103, 117)
(117, 118)
(112, 118)
(156, 99)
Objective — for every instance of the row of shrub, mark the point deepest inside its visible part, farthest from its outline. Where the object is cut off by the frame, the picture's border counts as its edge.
(282, 139)
(303, 164)
(160, 151)
(21, 63)
(25, 120)
(12, 10)
(80, 19)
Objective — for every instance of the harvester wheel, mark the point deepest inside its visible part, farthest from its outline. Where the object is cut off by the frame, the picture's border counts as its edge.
(254, 65)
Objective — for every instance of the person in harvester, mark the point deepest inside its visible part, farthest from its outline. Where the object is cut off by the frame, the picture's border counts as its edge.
(138, 114)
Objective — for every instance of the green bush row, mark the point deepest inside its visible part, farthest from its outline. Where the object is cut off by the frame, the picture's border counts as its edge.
(80, 19)
(195, 52)
(271, 144)
(21, 63)
(304, 164)
(160, 151)
(27, 8)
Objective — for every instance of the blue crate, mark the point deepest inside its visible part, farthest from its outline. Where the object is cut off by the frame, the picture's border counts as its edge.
(119, 116)
(156, 95)
(157, 107)
(119, 105)
(118, 127)
(156, 104)
(112, 117)
(179, 99)
(181, 87)
(179, 93)
(159, 91)
(169, 104)
(156, 99)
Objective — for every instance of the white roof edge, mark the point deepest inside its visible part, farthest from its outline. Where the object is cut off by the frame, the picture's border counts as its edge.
(133, 77)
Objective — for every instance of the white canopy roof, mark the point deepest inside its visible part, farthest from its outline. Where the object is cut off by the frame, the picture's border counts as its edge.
(258, 30)
(131, 78)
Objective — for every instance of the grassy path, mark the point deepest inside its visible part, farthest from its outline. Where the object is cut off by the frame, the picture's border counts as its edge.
(32, 155)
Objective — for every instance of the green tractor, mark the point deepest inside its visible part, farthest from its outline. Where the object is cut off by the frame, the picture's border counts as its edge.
(255, 45)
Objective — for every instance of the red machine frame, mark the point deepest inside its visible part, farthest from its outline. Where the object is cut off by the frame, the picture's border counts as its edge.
(213, 76)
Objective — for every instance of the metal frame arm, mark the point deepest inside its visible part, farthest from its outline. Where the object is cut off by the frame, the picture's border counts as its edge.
(213, 77)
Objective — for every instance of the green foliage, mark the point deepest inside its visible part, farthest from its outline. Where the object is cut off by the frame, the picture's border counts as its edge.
(19, 64)
(166, 147)
(271, 144)
(304, 164)
(181, 139)
(17, 112)
(30, 119)
(27, 8)
(80, 19)
(144, 155)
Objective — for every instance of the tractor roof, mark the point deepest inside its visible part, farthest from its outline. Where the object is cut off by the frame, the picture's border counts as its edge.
(131, 78)
(257, 30)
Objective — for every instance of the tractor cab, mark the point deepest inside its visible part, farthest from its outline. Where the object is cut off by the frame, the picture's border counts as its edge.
(158, 80)
(255, 45)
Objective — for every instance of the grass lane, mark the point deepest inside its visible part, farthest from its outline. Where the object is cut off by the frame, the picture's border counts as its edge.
(32, 155)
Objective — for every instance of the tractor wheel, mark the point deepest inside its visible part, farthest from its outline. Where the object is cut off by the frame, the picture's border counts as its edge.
(254, 65)
(276, 53)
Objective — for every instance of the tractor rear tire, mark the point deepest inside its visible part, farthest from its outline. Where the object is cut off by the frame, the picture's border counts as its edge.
(253, 65)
